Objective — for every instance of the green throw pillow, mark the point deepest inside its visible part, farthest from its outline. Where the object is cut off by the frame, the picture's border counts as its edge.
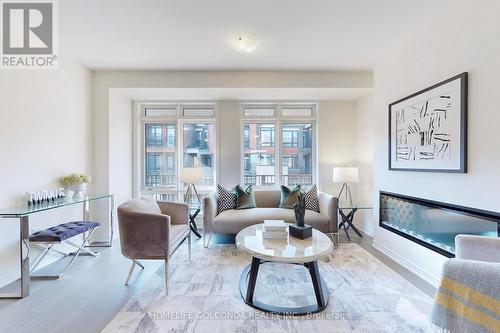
(245, 198)
(289, 197)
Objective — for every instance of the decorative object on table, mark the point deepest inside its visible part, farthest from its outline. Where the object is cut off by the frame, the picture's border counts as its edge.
(245, 198)
(345, 175)
(226, 199)
(274, 229)
(289, 197)
(428, 130)
(300, 229)
(311, 197)
(190, 177)
(44, 196)
(76, 183)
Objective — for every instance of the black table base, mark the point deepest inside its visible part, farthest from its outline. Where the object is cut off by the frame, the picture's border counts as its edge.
(347, 222)
(248, 282)
(192, 222)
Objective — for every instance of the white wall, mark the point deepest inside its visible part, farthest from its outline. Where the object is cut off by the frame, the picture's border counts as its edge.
(229, 143)
(45, 132)
(464, 37)
(337, 142)
(364, 139)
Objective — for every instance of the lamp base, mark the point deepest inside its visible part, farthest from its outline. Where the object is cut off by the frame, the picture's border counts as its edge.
(300, 232)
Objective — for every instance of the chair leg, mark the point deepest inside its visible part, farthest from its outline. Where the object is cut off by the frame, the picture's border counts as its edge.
(130, 272)
(166, 276)
(189, 246)
(208, 241)
(139, 264)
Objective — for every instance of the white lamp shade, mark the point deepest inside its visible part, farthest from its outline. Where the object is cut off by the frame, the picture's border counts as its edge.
(346, 174)
(191, 175)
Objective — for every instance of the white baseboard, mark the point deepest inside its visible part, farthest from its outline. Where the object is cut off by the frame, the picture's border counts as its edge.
(364, 230)
(406, 264)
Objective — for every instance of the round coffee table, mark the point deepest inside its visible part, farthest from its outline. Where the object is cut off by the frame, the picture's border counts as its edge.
(290, 250)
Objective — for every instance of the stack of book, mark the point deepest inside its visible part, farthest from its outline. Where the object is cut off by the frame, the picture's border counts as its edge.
(274, 229)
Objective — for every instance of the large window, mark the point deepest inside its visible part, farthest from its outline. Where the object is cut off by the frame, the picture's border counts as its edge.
(159, 168)
(278, 145)
(259, 154)
(177, 136)
(199, 149)
(297, 159)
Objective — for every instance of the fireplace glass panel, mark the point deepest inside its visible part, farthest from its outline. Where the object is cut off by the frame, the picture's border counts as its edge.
(433, 224)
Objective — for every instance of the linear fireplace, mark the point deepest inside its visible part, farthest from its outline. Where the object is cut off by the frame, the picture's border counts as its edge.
(434, 224)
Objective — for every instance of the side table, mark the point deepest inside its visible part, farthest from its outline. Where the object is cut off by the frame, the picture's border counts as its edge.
(347, 215)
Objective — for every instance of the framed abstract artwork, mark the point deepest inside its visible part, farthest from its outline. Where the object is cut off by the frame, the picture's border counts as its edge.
(428, 129)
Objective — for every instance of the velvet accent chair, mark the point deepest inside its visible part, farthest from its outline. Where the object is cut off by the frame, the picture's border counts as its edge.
(152, 230)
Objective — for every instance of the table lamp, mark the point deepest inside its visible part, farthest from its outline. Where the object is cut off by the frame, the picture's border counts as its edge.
(191, 176)
(346, 175)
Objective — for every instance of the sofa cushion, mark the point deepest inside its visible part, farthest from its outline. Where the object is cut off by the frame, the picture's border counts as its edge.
(311, 198)
(63, 231)
(145, 204)
(289, 197)
(226, 199)
(245, 198)
(267, 198)
(233, 221)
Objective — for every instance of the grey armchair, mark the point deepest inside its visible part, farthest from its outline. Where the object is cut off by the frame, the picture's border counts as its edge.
(469, 292)
(477, 248)
(152, 230)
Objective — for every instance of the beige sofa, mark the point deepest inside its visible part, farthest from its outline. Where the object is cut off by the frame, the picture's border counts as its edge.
(233, 221)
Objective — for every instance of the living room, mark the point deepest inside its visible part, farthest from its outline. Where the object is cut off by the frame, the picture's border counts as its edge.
(209, 145)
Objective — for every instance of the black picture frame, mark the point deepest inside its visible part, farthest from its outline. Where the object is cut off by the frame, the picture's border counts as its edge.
(463, 78)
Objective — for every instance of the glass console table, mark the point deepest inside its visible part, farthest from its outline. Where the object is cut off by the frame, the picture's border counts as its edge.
(23, 213)
(347, 215)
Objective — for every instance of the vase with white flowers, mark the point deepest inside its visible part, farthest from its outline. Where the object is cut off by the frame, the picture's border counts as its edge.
(75, 182)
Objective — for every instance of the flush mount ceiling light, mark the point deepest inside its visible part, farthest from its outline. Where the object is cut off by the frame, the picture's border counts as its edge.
(245, 43)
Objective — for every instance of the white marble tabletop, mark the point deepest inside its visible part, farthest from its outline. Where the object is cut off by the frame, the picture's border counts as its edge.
(290, 249)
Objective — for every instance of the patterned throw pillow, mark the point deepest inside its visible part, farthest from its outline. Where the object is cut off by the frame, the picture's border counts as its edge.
(289, 197)
(226, 199)
(245, 198)
(311, 197)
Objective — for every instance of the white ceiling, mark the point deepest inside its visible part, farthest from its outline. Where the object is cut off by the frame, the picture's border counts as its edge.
(196, 35)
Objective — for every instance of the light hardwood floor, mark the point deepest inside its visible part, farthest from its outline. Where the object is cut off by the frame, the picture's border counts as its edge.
(93, 292)
(83, 301)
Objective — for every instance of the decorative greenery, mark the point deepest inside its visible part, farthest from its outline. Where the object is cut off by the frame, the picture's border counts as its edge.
(75, 178)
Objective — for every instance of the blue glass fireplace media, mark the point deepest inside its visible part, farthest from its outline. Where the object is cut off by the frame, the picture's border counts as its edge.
(434, 224)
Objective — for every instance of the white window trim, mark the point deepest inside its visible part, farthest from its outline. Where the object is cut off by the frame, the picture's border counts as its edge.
(139, 122)
(278, 119)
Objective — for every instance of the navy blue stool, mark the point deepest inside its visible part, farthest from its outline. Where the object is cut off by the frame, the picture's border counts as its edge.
(61, 233)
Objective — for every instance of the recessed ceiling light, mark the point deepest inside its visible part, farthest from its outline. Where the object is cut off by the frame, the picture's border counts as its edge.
(245, 43)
